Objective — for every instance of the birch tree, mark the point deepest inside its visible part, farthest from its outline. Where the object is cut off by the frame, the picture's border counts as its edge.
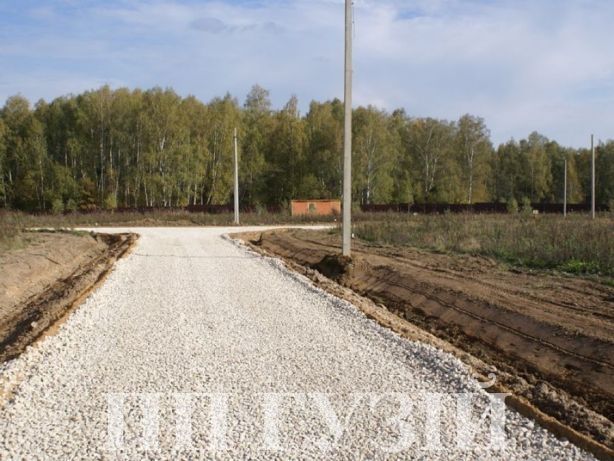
(372, 155)
(429, 141)
(474, 147)
(108, 148)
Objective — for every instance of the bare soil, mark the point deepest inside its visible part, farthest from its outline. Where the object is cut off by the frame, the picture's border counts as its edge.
(548, 337)
(41, 282)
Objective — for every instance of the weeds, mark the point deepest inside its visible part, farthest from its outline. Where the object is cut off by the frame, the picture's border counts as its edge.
(10, 230)
(575, 244)
(162, 218)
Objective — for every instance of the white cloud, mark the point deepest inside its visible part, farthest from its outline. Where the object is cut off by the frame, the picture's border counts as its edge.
(521, 65)
(524, 65)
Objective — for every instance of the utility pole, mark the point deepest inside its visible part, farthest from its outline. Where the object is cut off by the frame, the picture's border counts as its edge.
(347, 135)
(593, 177)
(565, 191)
(236, 179)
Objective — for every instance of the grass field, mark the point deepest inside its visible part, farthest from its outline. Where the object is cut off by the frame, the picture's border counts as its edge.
(12, 224)
(158, 218)
(576, 244)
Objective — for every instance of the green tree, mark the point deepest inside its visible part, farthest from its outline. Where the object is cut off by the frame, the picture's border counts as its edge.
(95, 119)
(285, 156)
(17, 118)
(430, 143)
(223, 117)
(473, 144)
(403, 173)
(604, 173)
(25, 155)
(3, 167)
(162, 140)
(120, 147)
(558, 155)
(324, 147)
(257, 125)
(373, 156)
(523, 170)
(540, 173)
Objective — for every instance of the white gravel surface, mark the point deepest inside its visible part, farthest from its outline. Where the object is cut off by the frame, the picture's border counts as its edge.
(190, 313)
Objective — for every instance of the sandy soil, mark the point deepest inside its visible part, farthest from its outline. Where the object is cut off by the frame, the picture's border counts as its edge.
(41, 281)
(47, 256)
(550, 337)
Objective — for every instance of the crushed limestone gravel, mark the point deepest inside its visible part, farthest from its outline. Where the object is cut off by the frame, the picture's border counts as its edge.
(233, 356)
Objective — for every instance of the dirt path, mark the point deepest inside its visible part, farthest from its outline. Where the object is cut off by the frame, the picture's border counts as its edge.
(551, 338)
(41, 282)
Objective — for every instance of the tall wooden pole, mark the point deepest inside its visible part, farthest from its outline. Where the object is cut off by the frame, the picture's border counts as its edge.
(593, 177)
(347, 135)
(236, 197)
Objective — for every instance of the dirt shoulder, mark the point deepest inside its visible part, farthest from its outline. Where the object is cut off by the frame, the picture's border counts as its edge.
(549, 338)
(41, 281)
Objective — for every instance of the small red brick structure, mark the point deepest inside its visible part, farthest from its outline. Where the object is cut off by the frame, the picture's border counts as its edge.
(315, 207)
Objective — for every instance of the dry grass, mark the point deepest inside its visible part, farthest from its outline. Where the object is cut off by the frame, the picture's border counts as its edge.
(161, 218)
(575, 244)
(11, 228)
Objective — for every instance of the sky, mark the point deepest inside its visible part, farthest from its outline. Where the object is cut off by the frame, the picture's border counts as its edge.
(522, 65)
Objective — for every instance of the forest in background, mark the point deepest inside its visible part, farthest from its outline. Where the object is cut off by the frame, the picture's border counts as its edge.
(106, 148)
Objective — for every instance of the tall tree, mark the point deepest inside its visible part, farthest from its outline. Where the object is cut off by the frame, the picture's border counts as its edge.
(473, 144)
(3, 185)
(224, 117)
(430, 141)
(256, 129)
(285, 155)
(604, 172)
(373, 156)
(110, 148)
(324, 146)
(539, 169)
(403, 175)
(558, 155)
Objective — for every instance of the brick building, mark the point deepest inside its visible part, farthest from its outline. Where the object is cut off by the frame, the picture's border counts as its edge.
(315, 207)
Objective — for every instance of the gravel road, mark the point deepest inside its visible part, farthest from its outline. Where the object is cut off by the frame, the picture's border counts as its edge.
(196, 348)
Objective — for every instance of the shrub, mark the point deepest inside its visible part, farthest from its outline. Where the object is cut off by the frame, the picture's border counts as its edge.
(71, 206)
(526, 206)
(110, 203)
(57, 206)
(286, 207)
(260, 209)
(10, 229)
(512, 206)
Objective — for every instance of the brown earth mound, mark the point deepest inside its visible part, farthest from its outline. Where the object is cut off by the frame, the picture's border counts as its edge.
(40, 283)
(550, 337)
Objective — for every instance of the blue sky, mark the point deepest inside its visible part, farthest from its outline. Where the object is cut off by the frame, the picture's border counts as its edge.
(545, 65)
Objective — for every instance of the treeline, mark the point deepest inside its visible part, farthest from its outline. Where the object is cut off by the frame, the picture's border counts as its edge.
(132, 148)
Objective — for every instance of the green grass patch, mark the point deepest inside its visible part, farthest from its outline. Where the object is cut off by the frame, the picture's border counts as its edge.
(576, 244)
